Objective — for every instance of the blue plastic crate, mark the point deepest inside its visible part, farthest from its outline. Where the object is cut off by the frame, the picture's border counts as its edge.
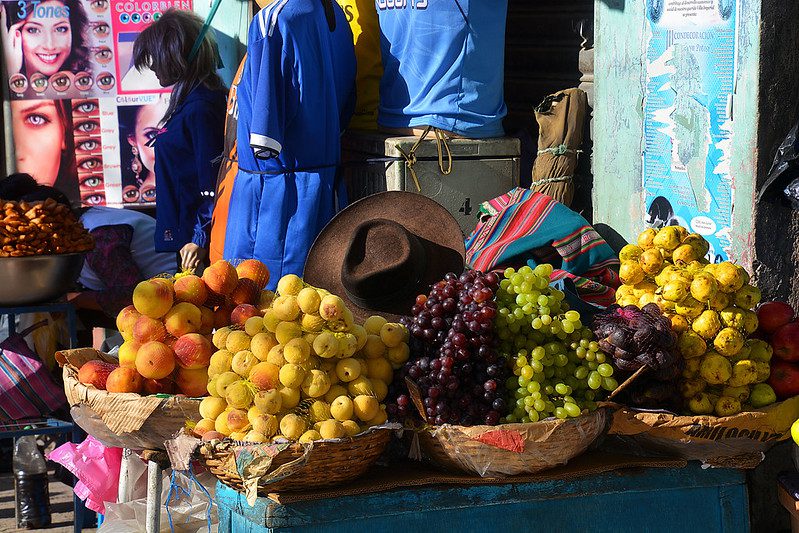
(634, 500)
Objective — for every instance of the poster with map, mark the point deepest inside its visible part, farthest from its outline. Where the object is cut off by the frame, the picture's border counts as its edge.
(690, 60)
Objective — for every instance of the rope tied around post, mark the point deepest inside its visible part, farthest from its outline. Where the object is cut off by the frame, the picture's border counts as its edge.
(559, 150)
(544, 181)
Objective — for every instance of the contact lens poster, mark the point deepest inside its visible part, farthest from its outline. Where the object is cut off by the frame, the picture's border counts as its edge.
(82, 115)
(687, 117)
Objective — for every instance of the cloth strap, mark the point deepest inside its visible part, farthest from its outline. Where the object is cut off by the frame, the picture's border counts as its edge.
(33, 327)
(441, 147)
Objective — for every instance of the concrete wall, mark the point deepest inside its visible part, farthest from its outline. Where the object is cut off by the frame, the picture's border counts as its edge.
(765, 235)
(618, 115)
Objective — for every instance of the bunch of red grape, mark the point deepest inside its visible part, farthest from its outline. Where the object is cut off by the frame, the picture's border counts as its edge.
(454, 358)
(637, 338)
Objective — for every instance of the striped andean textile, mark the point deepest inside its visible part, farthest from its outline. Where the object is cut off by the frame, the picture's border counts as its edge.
(526, 227)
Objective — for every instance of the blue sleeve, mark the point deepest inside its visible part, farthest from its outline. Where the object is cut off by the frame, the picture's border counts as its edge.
(208, 144)
(271, 74)
(349, 109)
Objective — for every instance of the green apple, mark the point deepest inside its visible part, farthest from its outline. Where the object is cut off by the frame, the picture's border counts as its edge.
(795, 431)
(762, 395)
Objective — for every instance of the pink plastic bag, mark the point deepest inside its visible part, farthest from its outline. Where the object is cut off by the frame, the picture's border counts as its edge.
(97, 470)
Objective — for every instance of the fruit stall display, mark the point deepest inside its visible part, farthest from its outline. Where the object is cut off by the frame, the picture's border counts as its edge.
(710, 307)
(494, 371)
(304, 371)
(168, 328)
(501, 355)
(721, 404)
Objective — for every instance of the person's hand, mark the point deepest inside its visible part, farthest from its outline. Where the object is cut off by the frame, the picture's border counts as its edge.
(72, 297)
(191, 256)
(84, 300)
(12, 42)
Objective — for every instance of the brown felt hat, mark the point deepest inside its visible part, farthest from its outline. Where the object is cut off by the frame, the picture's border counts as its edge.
(382, 251)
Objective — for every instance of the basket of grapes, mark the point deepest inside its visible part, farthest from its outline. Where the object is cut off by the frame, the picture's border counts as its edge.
(506, 378)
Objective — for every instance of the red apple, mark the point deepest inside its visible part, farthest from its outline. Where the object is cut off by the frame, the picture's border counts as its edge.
(222, 316)
(785, 342)
(784, 379)
(159, 386)
(96, 373)
(772, 315)
(242, 312)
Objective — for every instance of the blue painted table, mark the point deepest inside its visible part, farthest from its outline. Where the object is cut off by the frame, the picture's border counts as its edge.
(633, 500)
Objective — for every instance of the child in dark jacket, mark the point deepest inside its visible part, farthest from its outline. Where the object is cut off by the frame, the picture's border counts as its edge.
(189, 145)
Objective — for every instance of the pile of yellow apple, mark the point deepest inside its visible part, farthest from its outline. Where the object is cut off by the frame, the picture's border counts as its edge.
(304, 371)
(710, 308)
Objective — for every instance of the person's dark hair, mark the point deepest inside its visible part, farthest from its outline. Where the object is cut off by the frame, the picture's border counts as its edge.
(45, 192)
(15, 186)
(78, 59)
(23, 188)
(164, 47)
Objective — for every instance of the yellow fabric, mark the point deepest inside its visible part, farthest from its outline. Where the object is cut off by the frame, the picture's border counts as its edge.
(46, 340)
(362, 16)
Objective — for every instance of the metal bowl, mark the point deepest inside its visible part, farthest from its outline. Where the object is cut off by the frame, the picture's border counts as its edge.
(37, 278)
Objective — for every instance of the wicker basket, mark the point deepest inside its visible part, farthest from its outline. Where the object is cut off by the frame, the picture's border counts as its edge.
(511, 449)
(123, 420)
(301, 466)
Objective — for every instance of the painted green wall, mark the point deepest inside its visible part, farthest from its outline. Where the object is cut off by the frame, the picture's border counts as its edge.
(620, 77)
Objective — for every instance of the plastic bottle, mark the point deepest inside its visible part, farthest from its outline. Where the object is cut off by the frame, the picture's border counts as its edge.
(31, 484)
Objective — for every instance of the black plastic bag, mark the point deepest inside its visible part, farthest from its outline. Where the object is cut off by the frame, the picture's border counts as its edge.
(784, 172)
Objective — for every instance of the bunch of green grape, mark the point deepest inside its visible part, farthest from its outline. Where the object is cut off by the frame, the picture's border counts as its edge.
(557, 365)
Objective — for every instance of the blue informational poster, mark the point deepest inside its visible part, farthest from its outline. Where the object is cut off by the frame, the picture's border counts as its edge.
(690, 60)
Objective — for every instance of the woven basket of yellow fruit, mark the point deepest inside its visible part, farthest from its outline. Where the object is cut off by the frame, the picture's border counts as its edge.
(292, 466)
(721, 409)
(296, 394)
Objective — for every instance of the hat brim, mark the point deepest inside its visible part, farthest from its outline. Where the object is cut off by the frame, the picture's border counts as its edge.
(436, 228)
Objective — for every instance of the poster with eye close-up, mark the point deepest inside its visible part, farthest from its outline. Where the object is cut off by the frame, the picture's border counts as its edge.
(83, 118)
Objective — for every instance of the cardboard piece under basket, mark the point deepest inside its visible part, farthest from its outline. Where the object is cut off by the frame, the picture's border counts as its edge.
(125, 420)
(414, 474)
(737, 441)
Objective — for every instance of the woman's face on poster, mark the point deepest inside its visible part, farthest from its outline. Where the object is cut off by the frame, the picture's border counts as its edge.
(39, 138)
(146, 128)
(47, 40)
